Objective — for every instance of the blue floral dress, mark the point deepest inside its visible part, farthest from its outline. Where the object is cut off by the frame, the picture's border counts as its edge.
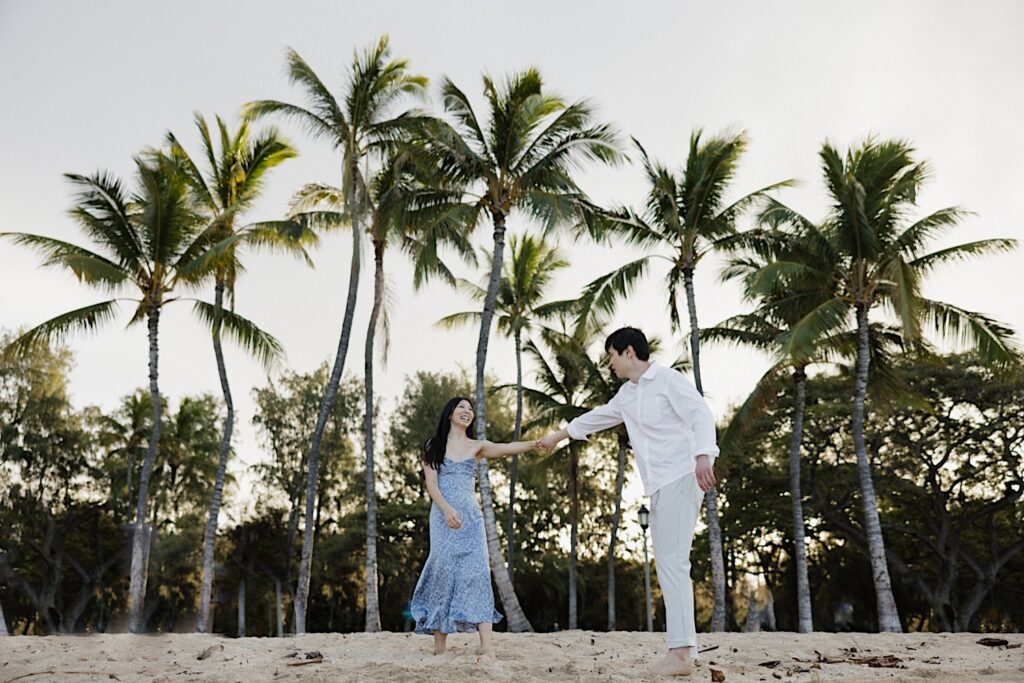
(454, 594)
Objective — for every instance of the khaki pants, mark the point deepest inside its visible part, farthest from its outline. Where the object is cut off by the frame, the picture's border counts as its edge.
(674, 511)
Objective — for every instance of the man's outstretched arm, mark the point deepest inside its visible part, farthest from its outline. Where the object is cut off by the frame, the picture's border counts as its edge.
(596, 420)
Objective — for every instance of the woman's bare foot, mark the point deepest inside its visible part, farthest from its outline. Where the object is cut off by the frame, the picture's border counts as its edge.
(486, 650)
(440, 642)
(674, 664)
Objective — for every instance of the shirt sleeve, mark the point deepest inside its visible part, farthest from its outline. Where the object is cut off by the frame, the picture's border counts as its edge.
(596, 420)
(693, 410)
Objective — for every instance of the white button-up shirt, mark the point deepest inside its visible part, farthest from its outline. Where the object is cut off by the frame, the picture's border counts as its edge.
(668, 421)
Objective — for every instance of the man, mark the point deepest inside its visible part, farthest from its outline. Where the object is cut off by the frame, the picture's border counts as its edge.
(672, 432)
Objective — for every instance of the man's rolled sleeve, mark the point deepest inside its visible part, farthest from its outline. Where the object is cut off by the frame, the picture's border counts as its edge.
(693, 410)
(596, 420)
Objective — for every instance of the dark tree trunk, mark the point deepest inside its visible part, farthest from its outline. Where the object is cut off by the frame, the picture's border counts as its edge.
(888, 616)
(372, 601)
(805, 622)
(517, 621)
(210, 536)
(326, 405)
(620, 477)
(510, 535)
(141, 535)
(574, 523)
(710, 502)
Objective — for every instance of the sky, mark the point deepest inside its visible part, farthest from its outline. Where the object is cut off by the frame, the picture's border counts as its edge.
(85, 86)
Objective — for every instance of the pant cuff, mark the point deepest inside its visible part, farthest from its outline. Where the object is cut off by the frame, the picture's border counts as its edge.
(682, 643)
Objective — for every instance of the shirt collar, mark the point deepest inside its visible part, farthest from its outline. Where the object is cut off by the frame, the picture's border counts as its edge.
(651, 371)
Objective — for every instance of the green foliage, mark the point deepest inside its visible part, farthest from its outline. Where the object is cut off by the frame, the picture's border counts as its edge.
(948, 478)
(64, 514)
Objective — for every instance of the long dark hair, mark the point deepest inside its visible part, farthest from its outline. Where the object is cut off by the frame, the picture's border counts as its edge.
(434, 447)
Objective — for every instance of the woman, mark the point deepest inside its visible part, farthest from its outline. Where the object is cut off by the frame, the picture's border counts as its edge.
(453, 594)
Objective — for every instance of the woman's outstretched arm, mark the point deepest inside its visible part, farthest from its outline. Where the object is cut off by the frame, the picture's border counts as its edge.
(489, 449)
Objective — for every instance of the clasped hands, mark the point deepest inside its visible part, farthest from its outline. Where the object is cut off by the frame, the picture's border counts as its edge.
(546, 444)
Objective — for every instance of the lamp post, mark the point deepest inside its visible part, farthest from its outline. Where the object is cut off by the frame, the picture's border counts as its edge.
(643, 515)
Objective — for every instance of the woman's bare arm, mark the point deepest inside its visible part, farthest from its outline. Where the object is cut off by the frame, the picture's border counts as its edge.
(489, 449)
(451, 515)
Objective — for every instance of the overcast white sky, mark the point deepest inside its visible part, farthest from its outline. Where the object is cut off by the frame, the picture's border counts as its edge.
(84, 86)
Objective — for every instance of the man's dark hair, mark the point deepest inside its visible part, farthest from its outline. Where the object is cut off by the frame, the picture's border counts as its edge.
(629, 336)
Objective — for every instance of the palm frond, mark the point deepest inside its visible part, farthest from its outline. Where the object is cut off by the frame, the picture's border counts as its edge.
(317, 195)
(88, 266)
(913, 239)
(903, 294)
(456, 103)
(317, 127)
(992, 340)
(455, 320)
(217, 257)
(287, 236)
(802, 340)
(247, 335)
(58, 328)
(604, 294)
(960, 252)
(104, 209)
(743, 330)
(762, 397)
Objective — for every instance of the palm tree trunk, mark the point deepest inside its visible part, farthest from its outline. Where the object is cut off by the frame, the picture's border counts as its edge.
(210, 538)
(372, 603)
(710, 503)
(888, 616)
(510, 535)
(130, 478)
(620, 477)
(517, 621)
(278, 613)
(141, 536)
(241, 608)
(805, 622)
(326, 405)
(574, 528)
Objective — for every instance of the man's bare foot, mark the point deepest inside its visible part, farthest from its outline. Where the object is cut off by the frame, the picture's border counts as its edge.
(439, 649)
(440, 643)
(674, 665)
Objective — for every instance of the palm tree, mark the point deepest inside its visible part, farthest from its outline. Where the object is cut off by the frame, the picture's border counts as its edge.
(519, 307)
(123, 436)
(563, 394)
(521, 159)
(145, 240)
(604, 386)
(391, 193)
(687, 218)
(779, 308)
(879, 260)
(231, 183)
(363, 126)
(186, 469)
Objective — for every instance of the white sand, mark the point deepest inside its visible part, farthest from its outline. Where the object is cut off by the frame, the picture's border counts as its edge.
(565, 656)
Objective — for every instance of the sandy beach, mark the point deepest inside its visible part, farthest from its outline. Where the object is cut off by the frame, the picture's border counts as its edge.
(565, 656)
